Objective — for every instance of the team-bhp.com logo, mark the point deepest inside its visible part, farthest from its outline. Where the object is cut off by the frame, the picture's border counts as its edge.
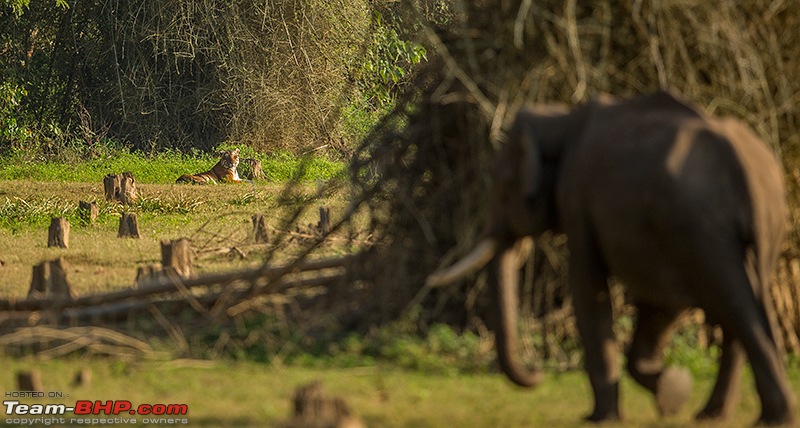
(94, 413)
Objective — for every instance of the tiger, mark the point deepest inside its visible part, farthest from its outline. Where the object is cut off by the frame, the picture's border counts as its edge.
(224, 170)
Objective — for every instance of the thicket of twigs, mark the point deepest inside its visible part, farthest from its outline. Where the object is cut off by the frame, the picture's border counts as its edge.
(269, 74)
(731, 58)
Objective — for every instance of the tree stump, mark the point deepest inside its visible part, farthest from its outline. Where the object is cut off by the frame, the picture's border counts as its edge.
(324, 225)
(260, 232)
(128, 226)
(313, 408)
(83, 377)
(148, 273)
(58, 233)
(111, 187)
(176, 255)
(29, 381)
(49, 279)
(254, 171)
(127, 187)
(88, 212)
(120, 188)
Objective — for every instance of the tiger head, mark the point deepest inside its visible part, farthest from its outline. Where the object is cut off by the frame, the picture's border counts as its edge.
(229, 159)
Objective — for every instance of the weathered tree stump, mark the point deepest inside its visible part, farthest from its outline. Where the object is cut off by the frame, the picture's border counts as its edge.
(49, 279)
(148, 273)
(111, 187)
(176, 255)
(324, 225)
(83, 377)
(260, 231)
(313, 408)
(88, 212)
(29, 381)
(253, 170)
(120, 188)
(58, 233)
(127, 187)
(128, 226)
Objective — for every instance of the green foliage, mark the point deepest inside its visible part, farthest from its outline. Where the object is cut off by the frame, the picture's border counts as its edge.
(283, 166)
(17, 211)
(387, 61)
(685, 351)
(11, 130)
(163, 167)
(360, 116)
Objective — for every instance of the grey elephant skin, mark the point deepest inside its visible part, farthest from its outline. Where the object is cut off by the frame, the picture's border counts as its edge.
(686, 209)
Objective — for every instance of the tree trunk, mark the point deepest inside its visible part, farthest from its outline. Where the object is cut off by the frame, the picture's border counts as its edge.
(58, 233)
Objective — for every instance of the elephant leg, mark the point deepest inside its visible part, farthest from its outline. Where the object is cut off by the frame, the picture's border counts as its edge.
(726, 389)
(728, 296)
(671, 386)
(588, 280)
(755, 334)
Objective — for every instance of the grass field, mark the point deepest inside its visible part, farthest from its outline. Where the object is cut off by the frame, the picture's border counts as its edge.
(213, 216)
(249, 394)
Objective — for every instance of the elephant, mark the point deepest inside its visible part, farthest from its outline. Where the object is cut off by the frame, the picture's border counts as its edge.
(685, 209)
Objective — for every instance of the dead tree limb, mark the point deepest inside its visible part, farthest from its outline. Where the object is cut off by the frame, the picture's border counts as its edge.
(167, 285)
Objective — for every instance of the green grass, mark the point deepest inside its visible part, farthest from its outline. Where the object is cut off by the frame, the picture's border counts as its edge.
(162, 168)
(250, 394)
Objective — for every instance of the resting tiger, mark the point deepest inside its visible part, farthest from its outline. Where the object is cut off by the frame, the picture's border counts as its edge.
(224, 170)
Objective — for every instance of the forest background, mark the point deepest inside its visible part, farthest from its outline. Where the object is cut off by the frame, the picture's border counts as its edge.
(81, 79)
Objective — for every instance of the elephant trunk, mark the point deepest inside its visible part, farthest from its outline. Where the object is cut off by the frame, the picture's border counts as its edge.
(476, 259)
(504, 273)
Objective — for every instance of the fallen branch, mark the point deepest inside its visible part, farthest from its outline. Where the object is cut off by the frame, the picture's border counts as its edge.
(164, 285)
(70, 339)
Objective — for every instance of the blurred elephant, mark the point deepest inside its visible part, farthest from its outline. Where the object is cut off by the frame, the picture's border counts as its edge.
(687, 210)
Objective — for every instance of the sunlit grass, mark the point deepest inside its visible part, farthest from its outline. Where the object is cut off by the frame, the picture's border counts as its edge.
(163, 168)
(251, 394)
